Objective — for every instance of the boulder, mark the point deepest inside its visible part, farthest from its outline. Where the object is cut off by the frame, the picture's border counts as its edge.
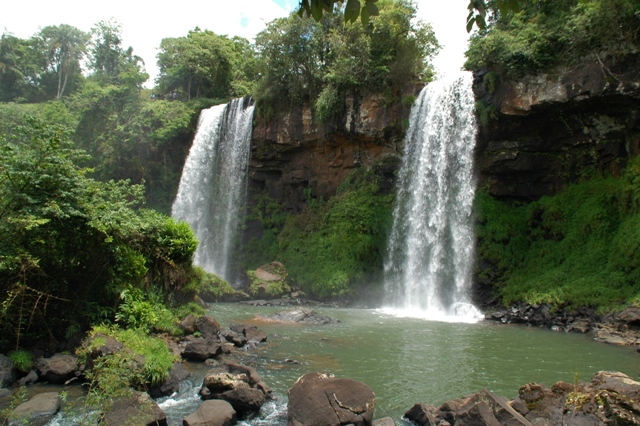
(250, 332)
(102, 345)
(176, 375)
(30, 378)
(238, 339)
(138, 409)
(319, 398)
(485, 408)
(212, 412)
(208, 326)
(38, 410)
(188, 324)
(269, 281)
(57, 369)
(8, 371)
(238, 384)
(271, 272)
(422, 414)
(199, 349)
(299, 315)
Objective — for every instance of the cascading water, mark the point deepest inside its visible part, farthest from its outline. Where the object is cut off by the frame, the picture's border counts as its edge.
(431, 247)
(212, 190)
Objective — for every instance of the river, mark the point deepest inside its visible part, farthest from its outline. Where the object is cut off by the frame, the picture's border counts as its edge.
(407, 360)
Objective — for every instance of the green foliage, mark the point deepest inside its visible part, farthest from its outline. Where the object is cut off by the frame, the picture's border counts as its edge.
(344, 237)
(545, 34)
(205, 64)
(22, 359)
(272, 288)
(66, 238)
(207, 285)
(136, 311)
(321, 62)
(578, 248)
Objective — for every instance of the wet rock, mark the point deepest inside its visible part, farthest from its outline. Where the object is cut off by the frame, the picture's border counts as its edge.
(238, 339)
(188, 324)
(208, 326)
(299, 315)
(212, 412)
(422, 414)
(102, 345)
(30, 378)
(38, 410)
(176, 375)
(250, 332)
(8, 371)
(318, 398)
(199, 349)
(57, 369)
(238, 384)
(138, 409)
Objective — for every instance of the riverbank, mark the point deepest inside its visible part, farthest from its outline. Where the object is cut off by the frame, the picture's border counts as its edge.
(403, 360)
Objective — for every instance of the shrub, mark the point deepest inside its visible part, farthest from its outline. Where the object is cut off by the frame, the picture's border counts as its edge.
(22, 359)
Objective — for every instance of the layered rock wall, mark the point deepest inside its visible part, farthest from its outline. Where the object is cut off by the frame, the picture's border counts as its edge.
(292, 152)
(542, 132)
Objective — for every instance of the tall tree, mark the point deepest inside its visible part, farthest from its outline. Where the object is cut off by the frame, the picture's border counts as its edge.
(110, 62)
(64, 47)
(200, 64)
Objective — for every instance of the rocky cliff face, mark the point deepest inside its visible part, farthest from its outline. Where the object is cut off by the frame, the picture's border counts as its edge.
(543, 132)
(293, 153)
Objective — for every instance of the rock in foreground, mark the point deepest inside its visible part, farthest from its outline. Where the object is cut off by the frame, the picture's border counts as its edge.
(322, 399)
(213, 412)
(610, 398)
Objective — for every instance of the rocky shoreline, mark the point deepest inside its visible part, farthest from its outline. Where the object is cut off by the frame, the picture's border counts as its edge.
(615, 328)
(232, 391)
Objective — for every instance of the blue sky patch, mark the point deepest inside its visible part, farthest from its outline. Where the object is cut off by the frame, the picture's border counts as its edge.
(287, 4)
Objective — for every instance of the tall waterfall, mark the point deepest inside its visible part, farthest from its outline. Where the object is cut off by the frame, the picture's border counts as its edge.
(431, 248)
(212, 190)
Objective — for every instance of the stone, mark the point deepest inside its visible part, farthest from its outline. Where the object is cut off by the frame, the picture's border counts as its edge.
(238, 339)
(30, 378)
(57, 369)
(38, 410)
(138, 409)
(199, 349)
(208, 326)
(271, 272)
(422, 414)
(8, 371)
(238, 384)
(319, 398)
(102, 345)
(213, 412)
(250, 332)
(188, 324)
(172, 384)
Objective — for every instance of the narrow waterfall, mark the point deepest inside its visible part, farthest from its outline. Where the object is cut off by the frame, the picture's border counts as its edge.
(212, 191)
(431, 247)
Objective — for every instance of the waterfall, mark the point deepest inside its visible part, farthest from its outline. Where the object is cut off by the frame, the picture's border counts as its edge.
(431, 247)
(212, 191)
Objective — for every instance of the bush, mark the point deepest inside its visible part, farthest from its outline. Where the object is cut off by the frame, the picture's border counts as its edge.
(547, 34)
(577, 248)
(22, 360)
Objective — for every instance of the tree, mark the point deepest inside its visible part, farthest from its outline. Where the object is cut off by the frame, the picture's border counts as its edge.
(64, 47)
(109, 62)
(200, 64)
(70, 244)
(354, 8)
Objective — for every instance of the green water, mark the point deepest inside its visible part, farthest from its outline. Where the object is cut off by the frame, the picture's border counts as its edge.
(406, 360)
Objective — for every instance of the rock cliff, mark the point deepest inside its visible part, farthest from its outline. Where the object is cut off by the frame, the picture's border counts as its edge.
(292, 152)
(542, 132)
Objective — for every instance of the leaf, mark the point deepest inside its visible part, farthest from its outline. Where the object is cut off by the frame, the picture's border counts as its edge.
(316, 10)
(364, 16)
(353, 5)
(372, 8)
(470, 23)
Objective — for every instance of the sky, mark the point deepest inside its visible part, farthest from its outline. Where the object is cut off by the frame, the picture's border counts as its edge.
(145, 23)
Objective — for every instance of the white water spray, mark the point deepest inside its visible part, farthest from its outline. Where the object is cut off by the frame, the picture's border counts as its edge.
(212, 191)
(431, 247)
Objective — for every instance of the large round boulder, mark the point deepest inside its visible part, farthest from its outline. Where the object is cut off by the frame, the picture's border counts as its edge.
(322, 399)
(38, 410)
(57, 369)
(239, 385)
(213, 412)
